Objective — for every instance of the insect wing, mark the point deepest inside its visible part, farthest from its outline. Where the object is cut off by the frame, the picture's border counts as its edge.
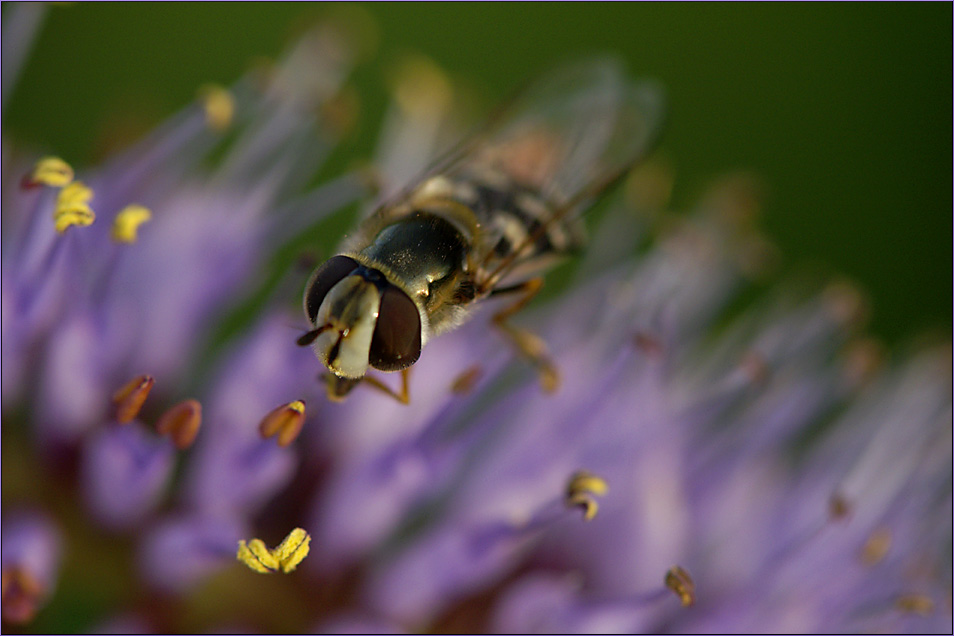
(567, 135)
(574, 131)
(564, 138)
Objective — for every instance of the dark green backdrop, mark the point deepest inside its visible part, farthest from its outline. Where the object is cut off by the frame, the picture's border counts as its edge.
(843, 109)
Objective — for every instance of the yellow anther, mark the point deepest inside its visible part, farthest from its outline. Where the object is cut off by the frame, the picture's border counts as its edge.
(915, 604)
(580, 490)
(421, 88)
(181, 423)
(127, 222)
(256, 556)
(876, 547)
(130, 398)
(72, 207)
(219, 106)
(293, 549)
(79, 216)
(285, 557)
(51, 171)
(584, 502)
(583, 481)
(679, 581)
(74, 194)
(285, 422)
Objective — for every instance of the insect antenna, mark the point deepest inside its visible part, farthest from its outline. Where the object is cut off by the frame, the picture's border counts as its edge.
(309, 337)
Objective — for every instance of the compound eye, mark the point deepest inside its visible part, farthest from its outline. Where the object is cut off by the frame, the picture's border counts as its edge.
(396, 343)
(323, 279)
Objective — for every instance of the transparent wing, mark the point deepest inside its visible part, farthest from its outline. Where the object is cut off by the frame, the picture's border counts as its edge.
(573, 131)
(564, 137)
(567, 135)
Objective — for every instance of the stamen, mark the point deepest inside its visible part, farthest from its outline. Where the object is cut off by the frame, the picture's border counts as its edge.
(181, 423)
(580, 490)
(862, 361)
(293, 549)
(130, 398)
(467, 380)
(846, 304)
(285, 557)
(679, 581)
(49, 171)
(838, 507)
(21, 594)
(219, 106)
(285, 422)
(915, 604)
(72, 207)
(127, 222)
(649, 344)
(421, 88)
(256, 556)
(756, 367)
(876, 547)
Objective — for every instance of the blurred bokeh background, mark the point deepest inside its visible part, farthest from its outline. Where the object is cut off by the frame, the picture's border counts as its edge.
(843, 110)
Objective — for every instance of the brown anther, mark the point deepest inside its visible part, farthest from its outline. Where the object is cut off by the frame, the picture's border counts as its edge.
(649, 344)
(341, 111)
(21, 595)
(862, 360)
(285, 422)
(915, 604)
(129, 399)
(181, 423)
(466, 381)
(876, 547)
(838, 507)
(736, 198)
(756, 255)
(756, 367)
(846, 303)
(679, 581)
(649, 186)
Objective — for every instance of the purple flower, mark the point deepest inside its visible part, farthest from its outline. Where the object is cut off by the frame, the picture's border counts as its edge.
(30, 563)
(124, 471)
(762, 470)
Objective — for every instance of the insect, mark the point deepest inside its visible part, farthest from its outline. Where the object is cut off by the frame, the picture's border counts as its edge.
(485, 220)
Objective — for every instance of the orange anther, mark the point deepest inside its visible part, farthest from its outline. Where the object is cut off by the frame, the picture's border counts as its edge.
(181, 423)
(285, 422)
(130, 398)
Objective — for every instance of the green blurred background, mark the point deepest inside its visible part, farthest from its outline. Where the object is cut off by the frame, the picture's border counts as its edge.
(844, 110)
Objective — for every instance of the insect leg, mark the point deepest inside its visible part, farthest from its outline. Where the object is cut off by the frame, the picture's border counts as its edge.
(528, 343)
(338, 388)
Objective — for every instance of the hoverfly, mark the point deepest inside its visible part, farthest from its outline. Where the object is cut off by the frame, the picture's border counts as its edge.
(482, 221)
